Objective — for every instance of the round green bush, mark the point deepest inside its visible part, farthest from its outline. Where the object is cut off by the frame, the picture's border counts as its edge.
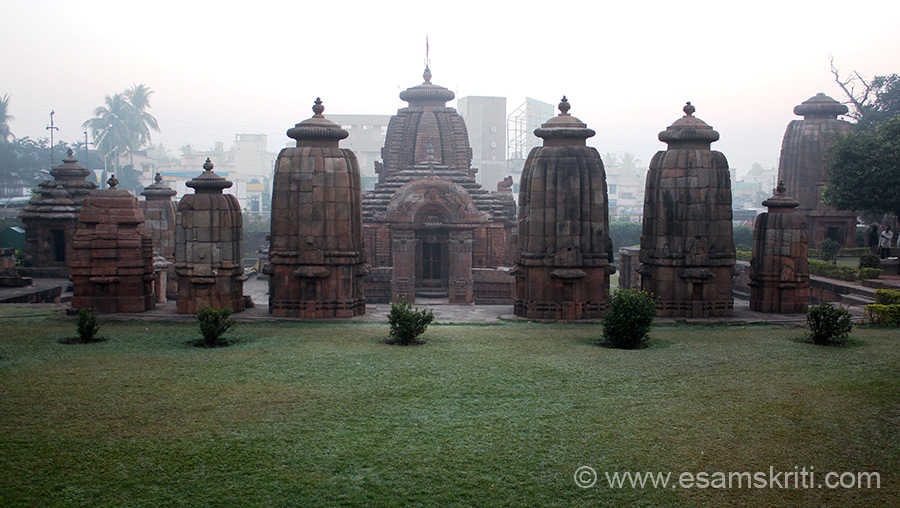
(628, 318)
(869, 260)
(828, 324)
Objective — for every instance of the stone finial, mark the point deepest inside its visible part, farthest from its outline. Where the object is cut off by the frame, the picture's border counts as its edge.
(780, 199)
(158, 178)
(208, 165)
(820, 106)
(779, 189)
(688, 129)
(689, 109)
(564, 107)
(209, 181)
(112, 182)
(70, 152)
(318, 108)
(427, 74)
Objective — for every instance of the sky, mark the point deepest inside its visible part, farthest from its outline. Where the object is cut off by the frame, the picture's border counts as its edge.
(627, 68)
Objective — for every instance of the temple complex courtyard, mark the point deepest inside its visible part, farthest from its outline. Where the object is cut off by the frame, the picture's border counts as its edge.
(324, 414)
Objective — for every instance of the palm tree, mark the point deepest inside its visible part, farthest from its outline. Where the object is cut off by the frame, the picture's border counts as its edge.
(610, 160)
(141, 122)
(630, 164)
(110, 127)
(5, 117)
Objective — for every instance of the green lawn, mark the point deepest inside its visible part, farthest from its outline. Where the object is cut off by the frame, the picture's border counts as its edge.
(305, 414)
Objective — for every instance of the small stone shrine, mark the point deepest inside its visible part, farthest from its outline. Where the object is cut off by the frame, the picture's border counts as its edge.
(779, 269)
(564, 251)
(51, 216)
(802, 168)
(208, 238)
(159, 213)
(430, 229)
(316, 256)
(687, 247)
(112, 254)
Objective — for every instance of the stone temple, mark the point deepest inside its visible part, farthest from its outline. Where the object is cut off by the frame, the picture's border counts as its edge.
(687, 244)
(802, 168)
(159, 213)
(430, 230)
(564, 254)
(208, 246)
(51, 217)
(779, 269)
(316, 257)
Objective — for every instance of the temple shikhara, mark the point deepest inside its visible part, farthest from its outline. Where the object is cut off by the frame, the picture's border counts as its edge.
(802, 168)
(564, 254)
(687, 246)
(430, 229)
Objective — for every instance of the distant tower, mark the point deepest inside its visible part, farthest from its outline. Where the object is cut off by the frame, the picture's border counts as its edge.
(112, 255)
(316, 256)
(51, 216)
(687, 246)
(159, 212)
(208, 253)
(564, 251)
(779, 270)
(802, 168)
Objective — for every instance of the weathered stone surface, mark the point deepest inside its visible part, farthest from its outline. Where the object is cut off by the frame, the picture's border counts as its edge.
(159, 214)
(51, 216)
(428, 223)
(112, 254)
(802, 168)
(687, 249)
(208, 253)
(316, 256)
(779, 270)
(564, 254)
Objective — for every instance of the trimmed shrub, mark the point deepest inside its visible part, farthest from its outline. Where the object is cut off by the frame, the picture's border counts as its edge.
(828, 324)
(213, 324)
(869, 260)
(888, 315)
(887, 296)
(869, 273)
(830, 250)
(628, 318)
(87, 325)
(407, 323)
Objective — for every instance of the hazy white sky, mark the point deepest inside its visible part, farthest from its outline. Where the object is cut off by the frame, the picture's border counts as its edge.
(221, 68)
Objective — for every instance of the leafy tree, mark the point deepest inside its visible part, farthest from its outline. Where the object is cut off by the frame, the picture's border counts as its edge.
(863, 170)
(624, 234)
(5, 117)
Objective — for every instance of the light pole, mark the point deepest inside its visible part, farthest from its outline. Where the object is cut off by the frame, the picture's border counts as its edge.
(51, 128)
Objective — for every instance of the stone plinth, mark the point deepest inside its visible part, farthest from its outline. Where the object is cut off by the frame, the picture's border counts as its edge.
(51, 216)
(208, 254)
(112, 255)
(802, 168)
(316, 258)
(687, 247)
(779, 270)
(564, 252)
(159, 213)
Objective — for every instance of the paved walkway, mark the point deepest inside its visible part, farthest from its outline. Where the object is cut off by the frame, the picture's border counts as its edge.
(485, 314)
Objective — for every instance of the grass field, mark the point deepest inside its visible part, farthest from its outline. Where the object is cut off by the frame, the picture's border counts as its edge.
(306, 414)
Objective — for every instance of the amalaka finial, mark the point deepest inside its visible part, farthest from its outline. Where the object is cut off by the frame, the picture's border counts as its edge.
(427, 74)
(112, 182)
(208, 165)
(689, 109)
(564, 107)
(69, 152)
(158, 178)
(318, 108)
(780, 188)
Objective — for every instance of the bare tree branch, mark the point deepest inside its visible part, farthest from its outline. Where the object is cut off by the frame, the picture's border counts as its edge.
(849, 86)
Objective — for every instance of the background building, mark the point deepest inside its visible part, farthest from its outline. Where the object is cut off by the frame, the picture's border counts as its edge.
(486, 122)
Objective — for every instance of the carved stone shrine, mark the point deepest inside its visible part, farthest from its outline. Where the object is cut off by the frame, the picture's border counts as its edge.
(779, 269)
(687, 247)
(112, 254)
(159, 213)
(430, 229)
(564, 253)
(802, 168)
(316, 257)
(208, 241)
